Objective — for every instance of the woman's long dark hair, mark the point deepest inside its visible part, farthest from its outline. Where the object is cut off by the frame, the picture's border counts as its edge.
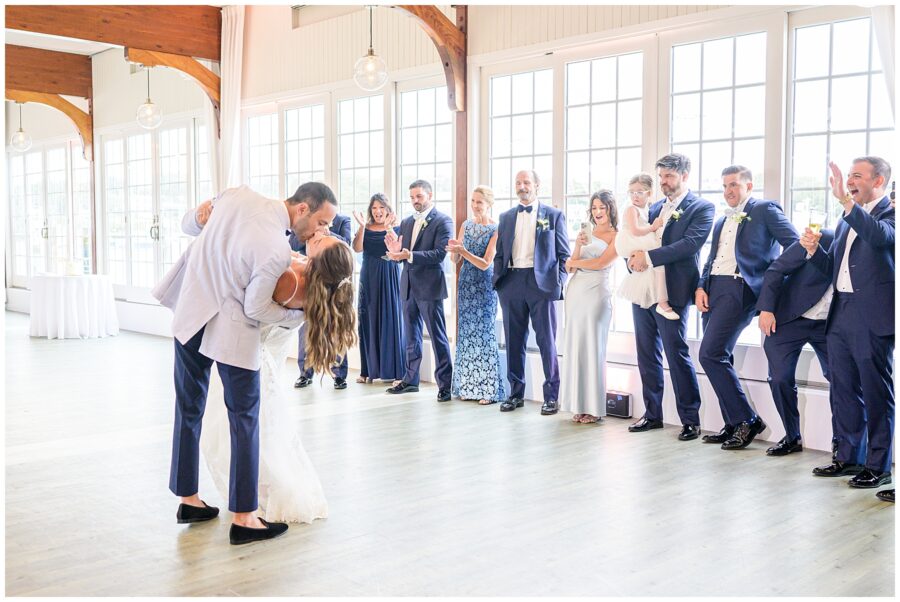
(609, 201)
(381, 198)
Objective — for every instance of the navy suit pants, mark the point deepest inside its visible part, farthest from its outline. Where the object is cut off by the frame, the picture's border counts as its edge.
(432, 313)
(732, 305)
(783, 353)
(861, 366)
(192, 370)
(521, 300)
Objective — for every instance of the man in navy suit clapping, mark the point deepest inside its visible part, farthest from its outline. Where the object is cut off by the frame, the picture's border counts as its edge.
(422, 247)
(745, 242)
(860, 327)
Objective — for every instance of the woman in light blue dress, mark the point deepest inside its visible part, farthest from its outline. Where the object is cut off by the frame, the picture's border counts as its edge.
(588, 313)
(476, 373)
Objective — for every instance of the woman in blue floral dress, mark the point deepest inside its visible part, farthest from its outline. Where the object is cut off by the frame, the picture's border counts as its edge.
(476, 373)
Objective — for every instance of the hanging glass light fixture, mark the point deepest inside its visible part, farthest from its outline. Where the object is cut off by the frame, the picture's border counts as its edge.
(21, 140)
(149, 116)
(370, 72)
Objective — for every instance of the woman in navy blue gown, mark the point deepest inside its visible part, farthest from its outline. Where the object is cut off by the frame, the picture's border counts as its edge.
(380, 321)
(476, 371)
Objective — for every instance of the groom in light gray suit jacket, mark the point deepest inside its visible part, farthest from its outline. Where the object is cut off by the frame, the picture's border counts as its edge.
(220, 291)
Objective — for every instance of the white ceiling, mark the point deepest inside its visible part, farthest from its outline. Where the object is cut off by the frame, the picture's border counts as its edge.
(48, 42)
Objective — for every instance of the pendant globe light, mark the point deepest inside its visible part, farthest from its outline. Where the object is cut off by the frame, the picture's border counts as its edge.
(370, 72)
(149, 115)
(21, 140)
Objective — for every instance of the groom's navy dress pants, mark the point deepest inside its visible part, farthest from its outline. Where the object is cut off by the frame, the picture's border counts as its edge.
(242, 400)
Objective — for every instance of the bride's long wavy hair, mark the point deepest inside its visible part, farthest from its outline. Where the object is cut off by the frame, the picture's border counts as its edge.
(330, 316)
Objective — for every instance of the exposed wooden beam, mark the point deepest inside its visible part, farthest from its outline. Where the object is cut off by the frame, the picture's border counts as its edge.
(206, 79)
(186, 30)
(48, 71)
(450, 41)
(82, 120)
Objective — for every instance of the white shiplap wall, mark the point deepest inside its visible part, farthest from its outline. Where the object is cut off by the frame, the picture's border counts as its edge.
(279, 58)
(494, 28)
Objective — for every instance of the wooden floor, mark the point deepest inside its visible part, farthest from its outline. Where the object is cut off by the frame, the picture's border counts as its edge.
(425, 498)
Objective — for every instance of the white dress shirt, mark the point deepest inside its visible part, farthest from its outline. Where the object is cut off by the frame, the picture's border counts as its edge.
(668, 209)
(843, 283)
(819, 311)
(523, 243)
(419, 216)
(725, 263)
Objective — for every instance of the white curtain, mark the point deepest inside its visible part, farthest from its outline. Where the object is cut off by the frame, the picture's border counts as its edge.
(883, 24)
(212, 135)
(225, 150)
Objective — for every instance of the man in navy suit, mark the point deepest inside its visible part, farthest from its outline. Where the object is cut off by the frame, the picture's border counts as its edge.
(860, 328)
(340, 228)
(529, 273)
(744, 242)
(793, 305)
(687, 220)
(422, 247)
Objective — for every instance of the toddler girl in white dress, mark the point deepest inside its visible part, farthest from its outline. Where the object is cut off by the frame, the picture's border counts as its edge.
(637, 234)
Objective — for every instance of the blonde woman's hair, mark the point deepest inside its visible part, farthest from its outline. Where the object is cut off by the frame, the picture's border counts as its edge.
(487, 193)
(330, 317)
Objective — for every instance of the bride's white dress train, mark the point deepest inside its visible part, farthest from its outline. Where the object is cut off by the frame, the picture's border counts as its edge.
(289, 487)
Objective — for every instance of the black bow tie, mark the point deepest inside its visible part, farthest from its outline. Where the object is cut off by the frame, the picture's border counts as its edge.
(525, 208)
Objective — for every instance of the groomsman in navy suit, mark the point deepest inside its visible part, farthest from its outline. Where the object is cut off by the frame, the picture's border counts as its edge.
(340, 228)
(529, 273)
(793, 304)
(745, 242)
(860, 328)
(422, 247)
(687, 220)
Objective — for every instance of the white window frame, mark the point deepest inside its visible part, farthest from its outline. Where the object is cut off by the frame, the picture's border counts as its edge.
(329, 129)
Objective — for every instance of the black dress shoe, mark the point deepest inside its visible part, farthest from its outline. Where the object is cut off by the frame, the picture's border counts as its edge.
(340, 383)
(785, 447)
(403, 388)
(837, 469)
(550, 407)
(511, 404)
(443, 395)
(869, 479)
(302, 382)
(689, 432)
(194, 514)
(645, 425)
(241, 535)
(886, 495)
(744, 433)
(720, 437)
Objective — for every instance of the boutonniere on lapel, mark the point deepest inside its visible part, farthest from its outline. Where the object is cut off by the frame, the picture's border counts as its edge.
(425, 223)
(741, 217)
(676, 215)
(543, 224)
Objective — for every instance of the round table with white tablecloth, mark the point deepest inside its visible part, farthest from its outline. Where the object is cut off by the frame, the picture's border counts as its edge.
(72, 307)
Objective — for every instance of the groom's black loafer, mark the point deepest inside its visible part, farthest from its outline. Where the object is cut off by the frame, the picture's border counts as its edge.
(194, 514)
(241, 535)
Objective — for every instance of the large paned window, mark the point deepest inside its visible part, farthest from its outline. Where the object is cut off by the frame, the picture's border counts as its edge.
(520, 133)
(360, 152)
(81, 208)
(149, 180)
(18, 215)
(261, 159)
(426, 146)
(304, 146)
(840, 111)
(57, 207)
(603, 130)
(718, 112)
(36, 212)
(201, 164)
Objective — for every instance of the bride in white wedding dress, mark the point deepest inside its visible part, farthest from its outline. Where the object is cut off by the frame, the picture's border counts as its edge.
(289, 486)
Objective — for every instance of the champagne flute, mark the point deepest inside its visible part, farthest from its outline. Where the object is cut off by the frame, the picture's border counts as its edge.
(816, 220)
